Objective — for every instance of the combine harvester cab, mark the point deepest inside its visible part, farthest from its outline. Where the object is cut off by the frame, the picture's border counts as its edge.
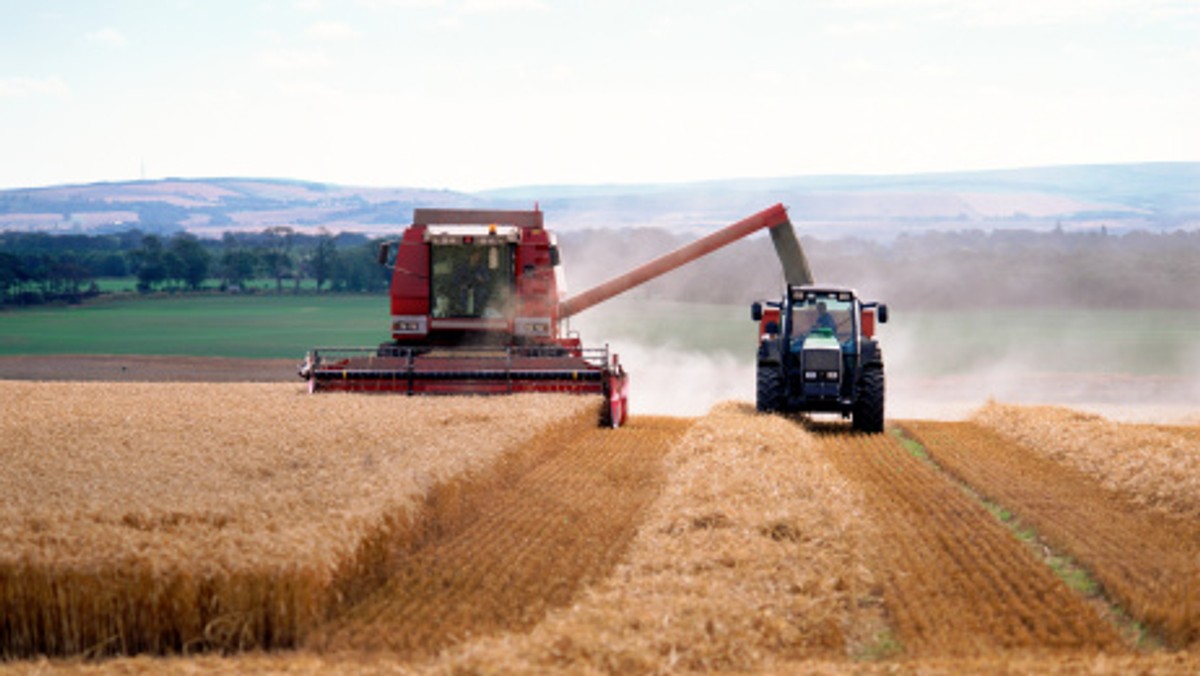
(476, 308)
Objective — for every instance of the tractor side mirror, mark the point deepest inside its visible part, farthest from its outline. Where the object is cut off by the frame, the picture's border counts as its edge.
(883, 313)
(756, 311)
(383, 253)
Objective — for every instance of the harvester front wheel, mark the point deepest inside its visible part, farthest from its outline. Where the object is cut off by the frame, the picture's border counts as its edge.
(770, 388)
(612, 413)
(868, 408)
(614, 410)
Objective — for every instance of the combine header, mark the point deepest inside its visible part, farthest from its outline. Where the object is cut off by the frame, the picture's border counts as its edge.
(476, 309)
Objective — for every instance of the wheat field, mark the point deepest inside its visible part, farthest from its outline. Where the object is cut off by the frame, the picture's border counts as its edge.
(753, 557)
(1155, 467)
(1145, 561)
(255, 528)
(172, 518)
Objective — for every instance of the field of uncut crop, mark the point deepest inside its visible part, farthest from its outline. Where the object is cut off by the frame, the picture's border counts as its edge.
(241, 527)
(169, 518)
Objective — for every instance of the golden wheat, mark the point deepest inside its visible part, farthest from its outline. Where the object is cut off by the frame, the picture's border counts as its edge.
(753, 555)
(361, 664)
(173, 517)
(1154, 467)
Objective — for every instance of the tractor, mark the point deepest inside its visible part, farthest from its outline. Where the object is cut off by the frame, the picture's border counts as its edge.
(817, 353)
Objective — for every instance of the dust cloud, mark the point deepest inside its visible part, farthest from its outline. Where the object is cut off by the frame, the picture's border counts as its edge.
(667, 379)
(671, 381)
(1131, 377)
(1025, 317)
(681, 358)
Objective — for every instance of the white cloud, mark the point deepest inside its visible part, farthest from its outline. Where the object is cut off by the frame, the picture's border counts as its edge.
(1016, 13)
(858, 28)
(860, 64)
(331, 31)
(106, 37)
(454, 18)
(310, 90)
(293, 59)
(402, 4)
(270, 35)
(29, 87)
(495, 6)
(1167, 56)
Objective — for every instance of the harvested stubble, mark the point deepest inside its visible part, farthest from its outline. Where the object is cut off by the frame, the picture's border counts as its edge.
(173, 518)
(955, 581)
(364, 664)
(510, 544)
(1150, 466)
(752, 556)
(1147, 561)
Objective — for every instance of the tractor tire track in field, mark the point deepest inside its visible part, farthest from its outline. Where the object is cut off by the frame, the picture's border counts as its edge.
(559, 518)
(1146, 561)
(955, 581)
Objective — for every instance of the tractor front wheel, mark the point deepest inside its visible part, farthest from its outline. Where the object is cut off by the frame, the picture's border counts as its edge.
(770, 388)
(868, 408)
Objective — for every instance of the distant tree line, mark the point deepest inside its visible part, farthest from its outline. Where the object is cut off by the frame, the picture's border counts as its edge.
(38, 268)
(920, 270)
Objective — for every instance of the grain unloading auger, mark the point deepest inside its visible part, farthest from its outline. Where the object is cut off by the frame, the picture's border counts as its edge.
(476, 309)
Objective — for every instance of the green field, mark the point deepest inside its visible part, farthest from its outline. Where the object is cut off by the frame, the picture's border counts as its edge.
(1149, 342)
(225, 326)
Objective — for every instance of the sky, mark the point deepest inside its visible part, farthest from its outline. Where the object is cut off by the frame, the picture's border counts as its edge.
(478, 94)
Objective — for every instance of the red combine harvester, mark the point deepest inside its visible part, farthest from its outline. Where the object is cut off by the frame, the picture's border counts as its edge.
(476, 309)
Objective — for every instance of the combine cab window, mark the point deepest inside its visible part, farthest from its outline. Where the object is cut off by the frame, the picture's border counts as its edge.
(471, 281)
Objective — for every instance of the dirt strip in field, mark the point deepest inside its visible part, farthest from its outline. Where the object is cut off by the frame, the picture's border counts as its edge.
(503, 552)
(956, 583)
(1146, 560)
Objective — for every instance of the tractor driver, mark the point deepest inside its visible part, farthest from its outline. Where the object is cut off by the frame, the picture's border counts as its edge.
(824, 319)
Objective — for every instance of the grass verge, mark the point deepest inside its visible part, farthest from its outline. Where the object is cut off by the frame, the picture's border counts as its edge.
(1075, 576)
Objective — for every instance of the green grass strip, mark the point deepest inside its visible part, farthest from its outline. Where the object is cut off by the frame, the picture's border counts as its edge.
(1075, 576)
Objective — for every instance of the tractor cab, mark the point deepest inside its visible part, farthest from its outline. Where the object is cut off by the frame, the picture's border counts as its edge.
(824, 314)
(826, 311)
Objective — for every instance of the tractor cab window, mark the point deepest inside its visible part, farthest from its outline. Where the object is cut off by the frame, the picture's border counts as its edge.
(831, 314)
(471, 281)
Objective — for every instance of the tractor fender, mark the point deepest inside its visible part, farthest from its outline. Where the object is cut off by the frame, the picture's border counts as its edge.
(769, 352)
(872, 354)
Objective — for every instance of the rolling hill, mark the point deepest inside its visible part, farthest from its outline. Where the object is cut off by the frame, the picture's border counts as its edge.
(1121, 197)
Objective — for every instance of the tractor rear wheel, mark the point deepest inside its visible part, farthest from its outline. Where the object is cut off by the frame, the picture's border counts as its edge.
(770, 388)
(868, 408)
